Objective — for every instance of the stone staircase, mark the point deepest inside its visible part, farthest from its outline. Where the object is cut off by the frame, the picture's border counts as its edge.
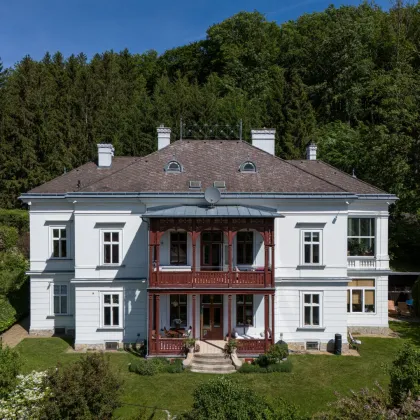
(212, 363)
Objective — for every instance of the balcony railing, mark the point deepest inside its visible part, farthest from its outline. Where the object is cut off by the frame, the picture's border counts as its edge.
(173, 346)
(251, 279)
(361, 263)
(253, 346)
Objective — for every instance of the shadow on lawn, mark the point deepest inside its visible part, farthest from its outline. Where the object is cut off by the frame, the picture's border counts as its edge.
(408, 330)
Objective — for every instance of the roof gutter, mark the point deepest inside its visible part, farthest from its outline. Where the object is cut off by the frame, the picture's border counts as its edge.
(227, 195)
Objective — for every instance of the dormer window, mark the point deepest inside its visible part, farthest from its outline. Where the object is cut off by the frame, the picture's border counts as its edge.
(173, 166)
(248, 166)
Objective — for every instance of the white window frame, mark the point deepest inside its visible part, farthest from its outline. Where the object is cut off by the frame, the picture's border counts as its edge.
(320, 305)
(67, 239)
(120, 246)
(302, 247)
(363, 290)
(120, 308)
(363, 237)
(52, 294)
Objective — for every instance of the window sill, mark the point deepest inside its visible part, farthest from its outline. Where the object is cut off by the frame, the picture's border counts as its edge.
(110, 329)
(59, 259)
(58, 316)
(311, 267)
(310, 329)
(109, 266)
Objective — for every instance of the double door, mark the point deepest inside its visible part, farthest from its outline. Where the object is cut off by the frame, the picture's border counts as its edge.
(211, 317)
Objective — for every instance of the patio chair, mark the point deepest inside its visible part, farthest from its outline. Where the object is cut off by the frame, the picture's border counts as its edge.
(392, 310)
(353, 342)
(403, 309)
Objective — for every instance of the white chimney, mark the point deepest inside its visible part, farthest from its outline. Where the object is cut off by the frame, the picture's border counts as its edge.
(164, 136)
(105, 154)
(264, 139)
(311, 151)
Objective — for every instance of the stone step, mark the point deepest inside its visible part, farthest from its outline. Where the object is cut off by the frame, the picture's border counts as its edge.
(212, 369)
(209, 355)
(209, 361)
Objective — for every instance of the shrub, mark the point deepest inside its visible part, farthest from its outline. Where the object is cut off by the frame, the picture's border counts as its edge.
(9, 237)
(416, 296)
(405, 374)
(262, 360)
(27, 400)
(151, 367)
(87, 389)
(285, 366)
(10, 363)
(277, 352)
(222, 398)
(249, 368)
(14, 306)
(276, 367)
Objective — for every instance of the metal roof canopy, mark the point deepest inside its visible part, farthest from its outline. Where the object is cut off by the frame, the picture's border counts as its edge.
(215, 211)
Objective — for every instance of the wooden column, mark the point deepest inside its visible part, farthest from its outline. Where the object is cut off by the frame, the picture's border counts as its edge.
(157, 321)
(272, 318)
(273, 266)
(158, 236)
(151, 245)
(229, 317)
(266, 321)
(265, 261)
(194, 245)
(193, 314)
(150, 339)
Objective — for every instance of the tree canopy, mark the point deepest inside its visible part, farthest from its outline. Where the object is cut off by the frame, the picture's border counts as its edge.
(346, 78)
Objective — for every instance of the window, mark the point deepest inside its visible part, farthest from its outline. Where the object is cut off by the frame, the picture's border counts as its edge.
(311, 309)
(361, 237)
(244, 310)
(111, 306)
(361, 296)
(60, 299)
(59, 242)
(173, 166)
(311, 247)
(178, 310)
(245, 247)
(178, 248)
(111, 247)
(248, 166)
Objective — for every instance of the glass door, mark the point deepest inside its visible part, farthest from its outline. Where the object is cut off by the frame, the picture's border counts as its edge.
(212, 317)
(211, 250)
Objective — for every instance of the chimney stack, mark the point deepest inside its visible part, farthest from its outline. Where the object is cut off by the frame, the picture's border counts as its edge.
(311, 151)
(264, 139)
(164, 136)
(105, 154)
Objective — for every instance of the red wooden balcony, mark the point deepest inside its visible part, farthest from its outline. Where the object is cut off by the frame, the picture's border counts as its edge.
(211, 279)
(253, 346)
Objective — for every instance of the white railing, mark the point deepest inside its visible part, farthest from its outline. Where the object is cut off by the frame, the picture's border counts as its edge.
(361, 263)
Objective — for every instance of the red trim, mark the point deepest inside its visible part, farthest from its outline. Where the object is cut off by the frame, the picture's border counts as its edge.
(193, 314)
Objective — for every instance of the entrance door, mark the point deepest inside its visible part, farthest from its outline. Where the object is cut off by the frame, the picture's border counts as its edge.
(211, 250)
(212, 317)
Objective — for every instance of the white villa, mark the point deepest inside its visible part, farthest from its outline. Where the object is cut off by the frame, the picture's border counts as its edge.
(219, 237)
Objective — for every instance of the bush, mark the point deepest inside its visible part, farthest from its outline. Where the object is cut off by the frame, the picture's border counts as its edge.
(87, 389)
(14, 306)
(277, 352)
(10, 363)
(262, 361)
(9, 237)
(416, 296)
(27, 400)
(151, 367)
(405, 374)
(276, 367)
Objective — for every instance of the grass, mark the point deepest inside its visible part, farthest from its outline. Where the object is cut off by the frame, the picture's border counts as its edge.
(311, 385)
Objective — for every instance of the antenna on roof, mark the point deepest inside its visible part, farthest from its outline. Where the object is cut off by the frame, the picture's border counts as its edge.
(354, 174)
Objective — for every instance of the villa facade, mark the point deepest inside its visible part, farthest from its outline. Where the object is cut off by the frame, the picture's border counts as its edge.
(208, 239)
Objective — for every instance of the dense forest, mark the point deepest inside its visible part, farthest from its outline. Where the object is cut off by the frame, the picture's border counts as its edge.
(347, 78)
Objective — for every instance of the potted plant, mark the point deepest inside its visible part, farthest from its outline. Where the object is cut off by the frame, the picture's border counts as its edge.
(230, 347)
(189, 344)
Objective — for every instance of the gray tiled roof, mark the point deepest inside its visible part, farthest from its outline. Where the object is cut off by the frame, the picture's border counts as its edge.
(207, 211)
(207, 161)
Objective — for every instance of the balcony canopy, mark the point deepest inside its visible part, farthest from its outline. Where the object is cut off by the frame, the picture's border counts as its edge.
(207, 211)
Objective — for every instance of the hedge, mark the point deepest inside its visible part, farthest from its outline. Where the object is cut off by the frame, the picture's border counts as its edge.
(14, 307)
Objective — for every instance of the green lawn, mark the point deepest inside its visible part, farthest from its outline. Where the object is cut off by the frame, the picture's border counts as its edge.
(311, 385)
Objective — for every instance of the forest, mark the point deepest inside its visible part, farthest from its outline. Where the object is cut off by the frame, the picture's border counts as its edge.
(347, 78)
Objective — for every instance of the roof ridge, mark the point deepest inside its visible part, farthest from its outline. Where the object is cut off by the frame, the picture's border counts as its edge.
(288, 162)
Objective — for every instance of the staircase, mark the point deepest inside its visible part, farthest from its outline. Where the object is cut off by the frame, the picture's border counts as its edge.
(211, 363)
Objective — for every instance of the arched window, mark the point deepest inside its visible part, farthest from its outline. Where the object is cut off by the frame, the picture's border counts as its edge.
(173, 166)
(248, 166)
